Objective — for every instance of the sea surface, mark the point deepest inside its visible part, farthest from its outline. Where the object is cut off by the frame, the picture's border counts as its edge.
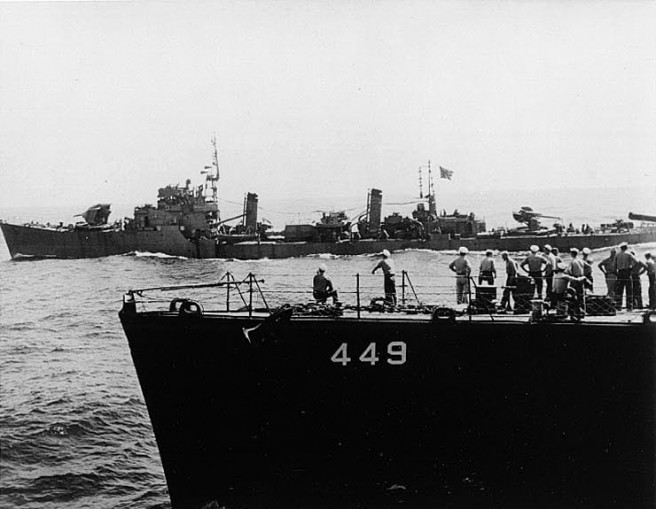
(74, 429)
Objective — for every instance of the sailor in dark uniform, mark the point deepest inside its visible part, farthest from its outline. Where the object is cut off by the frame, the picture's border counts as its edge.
(511, 281)
(651, 276)
(322, 286)
(624, 262)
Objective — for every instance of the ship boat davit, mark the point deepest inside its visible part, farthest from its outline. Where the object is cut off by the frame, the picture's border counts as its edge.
(415, 406)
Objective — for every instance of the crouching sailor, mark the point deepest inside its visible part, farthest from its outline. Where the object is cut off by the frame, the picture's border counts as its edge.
(323, 286)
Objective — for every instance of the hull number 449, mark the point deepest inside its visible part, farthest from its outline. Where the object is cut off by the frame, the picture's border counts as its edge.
(396, 354)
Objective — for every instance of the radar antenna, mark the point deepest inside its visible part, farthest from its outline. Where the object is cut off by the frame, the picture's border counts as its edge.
(212, 176)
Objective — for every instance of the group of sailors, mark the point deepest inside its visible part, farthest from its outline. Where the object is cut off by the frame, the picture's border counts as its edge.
(548, 271)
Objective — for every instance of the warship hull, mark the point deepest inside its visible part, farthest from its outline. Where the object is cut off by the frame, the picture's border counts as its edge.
(474, 412)
(42, 242)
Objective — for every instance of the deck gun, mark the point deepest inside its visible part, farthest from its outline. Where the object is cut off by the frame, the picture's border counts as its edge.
(531, 218)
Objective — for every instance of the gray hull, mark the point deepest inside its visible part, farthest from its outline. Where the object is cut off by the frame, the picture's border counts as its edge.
(49, 242)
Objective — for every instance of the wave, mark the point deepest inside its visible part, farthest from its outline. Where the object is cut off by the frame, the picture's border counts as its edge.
(148, 254)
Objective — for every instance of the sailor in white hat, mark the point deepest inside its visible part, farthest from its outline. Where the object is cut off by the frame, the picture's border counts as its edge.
(387, 266)
(462, 268)
(535, 265)
(322, 286)
(549, 269)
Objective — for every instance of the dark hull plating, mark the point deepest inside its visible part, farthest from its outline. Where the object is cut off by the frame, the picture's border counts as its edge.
(47, 242)
(481, 414)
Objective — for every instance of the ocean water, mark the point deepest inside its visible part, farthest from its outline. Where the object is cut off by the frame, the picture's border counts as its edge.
(74, 429)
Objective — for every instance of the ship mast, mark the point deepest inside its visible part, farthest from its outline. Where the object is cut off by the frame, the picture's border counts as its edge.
(213, 176)
(432, 204)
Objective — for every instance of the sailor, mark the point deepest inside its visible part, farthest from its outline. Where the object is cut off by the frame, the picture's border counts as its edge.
(549, 269)
(511, 281)
(651, 276)
(487, 272)
(638, 269)
(587, 267)
(561, 282)
(556, 253)
(355, 232)
(607, 267)
(462, 268)
(576, 270)
(387, 266)
(536, 265)
(624, 261)
(323, 286)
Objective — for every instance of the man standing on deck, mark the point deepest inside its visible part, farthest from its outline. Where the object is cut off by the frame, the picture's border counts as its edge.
(587, 268)
(556, 253)
(462, 268)
(651, 276)
(607, 266)
(576, 269)
(536, 265)
(562, 280)
(624, 262)
(487, 272)
(387, 266)
(511, 281)
(638, 269)
(549, 269)
(322, 286)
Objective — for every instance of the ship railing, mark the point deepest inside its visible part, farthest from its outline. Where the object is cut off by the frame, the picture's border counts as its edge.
(251, 294)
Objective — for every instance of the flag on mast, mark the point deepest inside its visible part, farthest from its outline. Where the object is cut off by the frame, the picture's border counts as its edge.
(445, 174)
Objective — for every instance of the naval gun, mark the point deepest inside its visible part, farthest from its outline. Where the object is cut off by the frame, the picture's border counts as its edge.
(642, 217)
(531, 219)
(95, 216)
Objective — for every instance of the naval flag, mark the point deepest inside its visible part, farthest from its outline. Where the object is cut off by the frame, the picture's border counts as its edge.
(445, 174)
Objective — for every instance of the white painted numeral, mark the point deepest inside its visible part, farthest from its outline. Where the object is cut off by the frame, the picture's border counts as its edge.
(397, 352)
(341, 356)
(369, 355)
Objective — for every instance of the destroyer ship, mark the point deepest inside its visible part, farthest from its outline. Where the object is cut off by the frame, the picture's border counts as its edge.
(415, 406)
(186, 222)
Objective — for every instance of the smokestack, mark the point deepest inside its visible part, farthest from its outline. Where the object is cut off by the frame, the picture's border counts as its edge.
(374, 210)
(250, 209)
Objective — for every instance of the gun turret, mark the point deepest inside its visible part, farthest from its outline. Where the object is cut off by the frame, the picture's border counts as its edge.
(527, 214)
(96, 215)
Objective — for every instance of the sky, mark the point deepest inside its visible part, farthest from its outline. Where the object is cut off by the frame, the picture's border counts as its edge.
(108, 101)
